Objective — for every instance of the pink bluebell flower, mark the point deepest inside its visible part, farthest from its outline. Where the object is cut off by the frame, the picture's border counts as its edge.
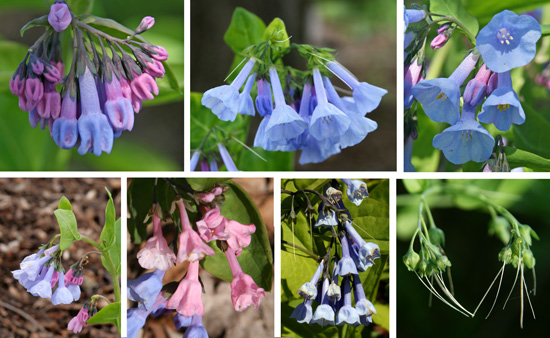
(413, 74)
(212, 225)
(476, 89)
(239, 234)
(79, 321)
(244, 291)
(191, 246)
(187, 300)
(146, 23)
(508, 41)
(156, 254)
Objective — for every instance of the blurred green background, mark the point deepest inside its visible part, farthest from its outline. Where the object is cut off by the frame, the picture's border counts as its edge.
(534, 135)
(156, 141)
(473, 254)
(362, 32)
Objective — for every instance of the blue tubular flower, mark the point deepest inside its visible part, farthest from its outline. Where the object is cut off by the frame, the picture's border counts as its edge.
(363, 306)
(227, 160)
(196, 329)
(245, 104)
(62, 295)
(182, 321)
(413, 74)
(465, 141)
(346, 265)
(367, 97)
(315, 151)
(145, 289)
(334, 292)
(96, 134)
(43, 288)
(303, 312)
(31, 266)
(327, 217)
(440, 98)
(64, 129)
(359, 125)
(264, 101)
(502, 107)
(356, 190)
(309, 289)
(347, 314)
(224, 100)
(327, 120)
(213, 165)
(363, 252)
(135, 319)
(284, 123)
(324, 314)
(194, 161)
(508, 41)
(413, 15)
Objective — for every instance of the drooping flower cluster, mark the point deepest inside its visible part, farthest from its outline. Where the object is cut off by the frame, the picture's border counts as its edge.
(299, 110)
(213, 164)
(154, 298)
(331, 288)
(508, 41)
(99, 95)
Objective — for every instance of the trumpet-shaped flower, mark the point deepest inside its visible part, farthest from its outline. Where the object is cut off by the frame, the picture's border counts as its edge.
(212, 226)
(465, 141)
(191, 247)
(187, 297)
(79, 321)
(146, 288)
(196, 329)
(245, 103)
(347, 314)
(239, 234)
(62, 294)
(327, 217)
(324, 314)
(356, 191)
(156, 254)
(303, 312)
(440, 97)
(346, 265)
(502, 107)
(309, 289)
(43, 288)
(224, 100)
(244, 291)
(227, 160)
(65, 130)
(508, 41)
(413, 74)
(264, 101)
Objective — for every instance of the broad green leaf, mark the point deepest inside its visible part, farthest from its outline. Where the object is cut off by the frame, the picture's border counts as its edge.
(312, 184)
(256, 260)
(41, 21)
(140, 200)
(521, 158)
(81, 6)
(455, 9)
(276, 34)
(108, 234)
(485, 10)
(205, 184)
(245, 29)
(109, 314)
(382, 316)
(67, 224)
(276, 160)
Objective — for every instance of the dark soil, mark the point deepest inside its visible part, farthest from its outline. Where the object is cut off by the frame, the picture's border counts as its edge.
(27, 221)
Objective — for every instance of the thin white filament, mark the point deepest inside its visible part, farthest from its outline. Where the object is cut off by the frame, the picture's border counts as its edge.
(529, 299)
(234, 69)
(435, 293)
(441, 283)
(515, 280)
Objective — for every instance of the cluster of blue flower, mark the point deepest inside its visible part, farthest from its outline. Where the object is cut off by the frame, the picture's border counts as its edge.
(316, 120)
(357, 255)
(508, 41)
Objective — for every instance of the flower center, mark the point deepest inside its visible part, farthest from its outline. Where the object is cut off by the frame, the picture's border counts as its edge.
(326, 119)
(466, 134)
(504, 36)
(503, 107)
(441, 96)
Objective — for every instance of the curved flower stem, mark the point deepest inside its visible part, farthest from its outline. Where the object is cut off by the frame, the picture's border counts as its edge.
(94, 297)
(466, 31)
(317, 257)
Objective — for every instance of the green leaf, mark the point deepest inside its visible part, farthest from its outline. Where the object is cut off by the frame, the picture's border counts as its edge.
(67, 224)
(534, 135)
(455, 9)
(205, 184)
(81, 6)
(312, 184)
(276, 34)
(107, 237)
(245, 29)
(41, 21)
(382, 316)
(109, 314)
(140, 200)
(172, 80)
(522, 158)
(485, 10)
(256, 260)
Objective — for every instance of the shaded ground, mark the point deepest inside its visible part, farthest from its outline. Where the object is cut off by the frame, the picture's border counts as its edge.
(220, 319)
(27, 221)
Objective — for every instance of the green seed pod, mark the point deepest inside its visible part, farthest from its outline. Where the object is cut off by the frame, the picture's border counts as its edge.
(411, 260)
(528, 258)
(500, 227)
(423, 267)
(437, 236)
(505, 255)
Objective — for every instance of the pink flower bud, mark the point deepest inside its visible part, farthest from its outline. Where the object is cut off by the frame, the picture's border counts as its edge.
(146, 24)
(60, 16)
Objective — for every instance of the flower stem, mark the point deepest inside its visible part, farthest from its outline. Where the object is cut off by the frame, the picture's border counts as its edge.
(302, 249)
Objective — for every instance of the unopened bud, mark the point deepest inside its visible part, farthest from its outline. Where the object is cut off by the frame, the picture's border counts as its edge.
(411, 260)
(146, 24)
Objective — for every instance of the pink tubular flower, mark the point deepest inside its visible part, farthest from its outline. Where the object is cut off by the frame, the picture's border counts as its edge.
(208, 197)
(70, 278)
(34, 89)
(50, 105)
(79, 321)
(191, 247)
(157, 52)
(187, 298)
(156, 253)
(144, 86)
(60, 16)
(118, 108)
(244, 291)
(155, 68)
(239, 234)
(212, 226)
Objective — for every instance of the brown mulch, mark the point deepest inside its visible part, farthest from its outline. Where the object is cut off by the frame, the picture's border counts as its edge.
(220, 319)
(27, 221)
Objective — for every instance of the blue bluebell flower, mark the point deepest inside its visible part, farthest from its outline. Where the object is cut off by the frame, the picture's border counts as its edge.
(327, 217)
(367, 97)
(508, 41)
(363, 306)
(43, 288)
(194, 160)
(246, 104)
(324, 314)
(315, 151)
(309, 289)
(465, 141)
(62, 294)
(264, 101)
(285, 123)
(146, 288)
(440, 97)
(196, 329)
(347, 313)
(502, 107)
(327, 120)
(334, 292)
(303, 312)
(227, 160)
(213, 165)
(224, 100)
(366, 250)
(412, 16)
(356, 190)
(346, 265)
(182, 321)
(135, 319)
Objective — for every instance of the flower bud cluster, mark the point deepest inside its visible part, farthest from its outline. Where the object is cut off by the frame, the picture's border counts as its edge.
(518, 251)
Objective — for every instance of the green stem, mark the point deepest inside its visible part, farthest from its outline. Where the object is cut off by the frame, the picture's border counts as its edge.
(429, 212)
(94, 297)
(545, 29)
(302, 249)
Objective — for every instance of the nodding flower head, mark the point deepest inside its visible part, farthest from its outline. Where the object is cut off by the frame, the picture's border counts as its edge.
(187, 298)
(244, 291)
(60, 16)
(508, 41)
(156, 254)
(79, 321)
(146, 288)
(303, 312)
(191, 246)
(356, 191)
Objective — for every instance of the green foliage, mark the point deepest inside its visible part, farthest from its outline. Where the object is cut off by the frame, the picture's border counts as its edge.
(109, 314)
(81, 6)
(245, 29)
(455, 9)
(371, 219)
(108, 234)
(67, 224)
